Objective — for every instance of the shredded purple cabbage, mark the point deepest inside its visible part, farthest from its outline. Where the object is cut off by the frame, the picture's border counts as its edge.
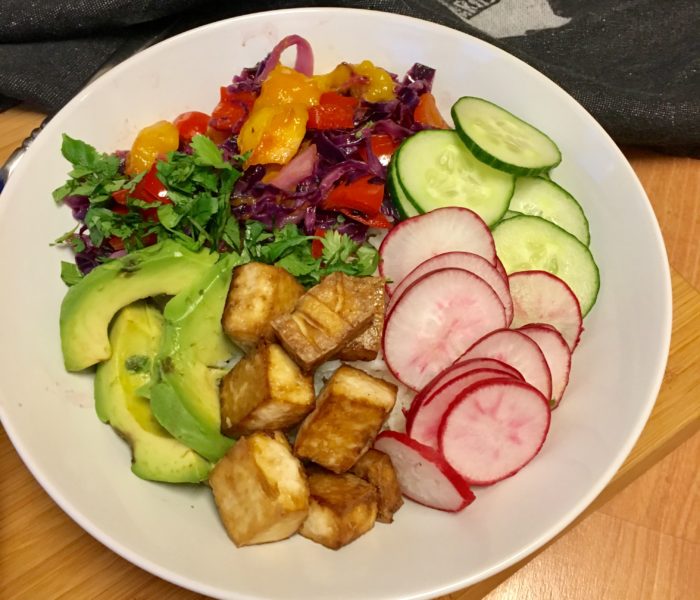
(343, 156)
(79, 206)
(339, 160)
(91, 256)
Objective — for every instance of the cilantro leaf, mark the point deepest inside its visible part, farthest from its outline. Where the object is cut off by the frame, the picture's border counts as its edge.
(94, 174)
(70, 273)
(207, 154)
(84, 155)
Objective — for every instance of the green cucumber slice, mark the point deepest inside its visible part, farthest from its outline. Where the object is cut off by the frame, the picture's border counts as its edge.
(502, 140)
(542, 197)
(435, 170)
(527, 243)
(398, 196)
(510, 214)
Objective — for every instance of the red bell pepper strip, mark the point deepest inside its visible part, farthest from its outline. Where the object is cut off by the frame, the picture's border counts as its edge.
(334, 111)
(379, 220)
(317, 245)
(427, 113)
(116, 242)
(119, 208)
(151, 189)
(383, 147)
(120, 197)
(190, 124)
(232, 110)
(360, 195)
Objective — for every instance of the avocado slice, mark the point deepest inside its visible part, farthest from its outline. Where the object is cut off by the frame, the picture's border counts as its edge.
(185, 382)
(135, 337)
(89, 306)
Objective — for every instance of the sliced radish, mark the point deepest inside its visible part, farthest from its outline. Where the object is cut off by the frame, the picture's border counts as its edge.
(450, 229)
(540, 297)
(501, 269)
(436, 319)
(425, 424)
(494, 429)
(459, 260)
(556, 353)
(486, 363)
(452, 372)
(424, 475)
(519, 351)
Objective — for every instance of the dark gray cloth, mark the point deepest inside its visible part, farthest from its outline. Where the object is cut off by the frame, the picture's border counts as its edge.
(634, 64)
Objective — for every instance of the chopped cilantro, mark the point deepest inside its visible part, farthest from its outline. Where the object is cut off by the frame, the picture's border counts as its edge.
(290, 249)
(94, 174)
(197, 214)
(70, 273)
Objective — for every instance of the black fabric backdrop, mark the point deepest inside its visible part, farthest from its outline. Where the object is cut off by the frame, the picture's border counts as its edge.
(634, 64)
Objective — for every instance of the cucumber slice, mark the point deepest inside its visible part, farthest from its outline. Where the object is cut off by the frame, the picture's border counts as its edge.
(542, 197)
(501, 139)
(510, 214)
(398, 196)
(435, 170)
(526, 243)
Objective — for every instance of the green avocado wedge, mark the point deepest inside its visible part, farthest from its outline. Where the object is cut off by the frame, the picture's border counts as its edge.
(89, 306)
(185, 382)
(135, 337)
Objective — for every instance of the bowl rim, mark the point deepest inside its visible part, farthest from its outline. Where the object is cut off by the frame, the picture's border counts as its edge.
(543, 538)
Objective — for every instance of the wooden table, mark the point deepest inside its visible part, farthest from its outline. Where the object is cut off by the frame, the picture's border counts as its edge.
(44, 554)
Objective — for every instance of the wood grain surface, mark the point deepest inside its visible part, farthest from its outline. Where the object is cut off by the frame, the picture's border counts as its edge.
(640, 539)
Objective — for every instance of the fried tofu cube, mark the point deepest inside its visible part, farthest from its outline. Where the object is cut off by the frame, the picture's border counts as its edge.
(349, 412)
(376, 468)
(258, 294)
(260, 490)
(324, 320)
(341, 509)
(264, 391)
(366, 345)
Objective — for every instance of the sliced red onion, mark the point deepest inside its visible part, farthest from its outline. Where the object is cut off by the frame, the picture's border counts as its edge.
(296, 170)
(305, 56)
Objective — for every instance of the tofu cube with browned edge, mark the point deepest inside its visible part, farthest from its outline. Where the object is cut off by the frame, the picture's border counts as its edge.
(260, 489)
(366, 345)
(349, 413)
(376, 468)
(258, 294)
(265, 390)
(341, 509)
(324, 320)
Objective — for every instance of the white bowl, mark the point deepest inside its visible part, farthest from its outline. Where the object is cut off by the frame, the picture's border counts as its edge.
(174, 532)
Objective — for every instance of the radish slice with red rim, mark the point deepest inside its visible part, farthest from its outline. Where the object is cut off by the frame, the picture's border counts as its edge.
(494, 429)
(540, 297)
(556, 353)
(501, 269)
(424, 475)
(459, 260)
(419, 238)
(516, 349)
(436, 319)
(425, 425)
(452, 372)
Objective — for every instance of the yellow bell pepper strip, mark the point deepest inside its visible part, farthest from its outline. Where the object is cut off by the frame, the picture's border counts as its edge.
(287, 86)
(277, 123)
(364, 80)
(273, 134)
(152, 141)
(378, 86)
